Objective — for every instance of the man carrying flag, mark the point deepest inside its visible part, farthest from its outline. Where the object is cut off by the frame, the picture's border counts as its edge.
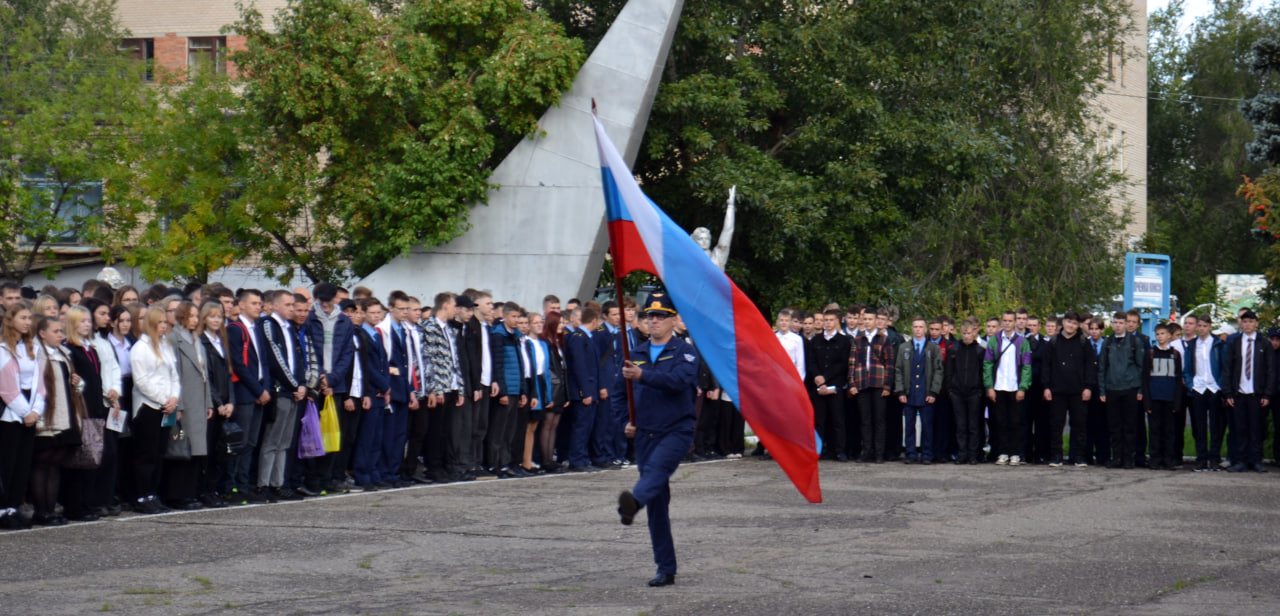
(664, 376)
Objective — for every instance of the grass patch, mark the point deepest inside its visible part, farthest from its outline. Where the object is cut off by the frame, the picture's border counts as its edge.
(364, 564)
(204, 581)
(230, 606)
(106, 607)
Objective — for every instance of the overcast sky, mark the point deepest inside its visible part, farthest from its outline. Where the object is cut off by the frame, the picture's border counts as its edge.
(1193, 9)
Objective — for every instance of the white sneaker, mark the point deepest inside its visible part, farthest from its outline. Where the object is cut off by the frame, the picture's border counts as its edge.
(1082, 465)
(1015, 461)
(1055, 465)
(1002, 460)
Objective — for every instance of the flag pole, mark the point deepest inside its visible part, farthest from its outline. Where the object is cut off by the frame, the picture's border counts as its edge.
(622, 312)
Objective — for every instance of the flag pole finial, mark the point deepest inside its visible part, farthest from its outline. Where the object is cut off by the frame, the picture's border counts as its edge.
(593, 105)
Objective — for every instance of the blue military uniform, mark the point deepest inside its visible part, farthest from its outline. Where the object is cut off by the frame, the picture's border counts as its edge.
(664, 421)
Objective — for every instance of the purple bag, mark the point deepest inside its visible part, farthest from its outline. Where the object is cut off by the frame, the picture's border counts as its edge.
(311, 438)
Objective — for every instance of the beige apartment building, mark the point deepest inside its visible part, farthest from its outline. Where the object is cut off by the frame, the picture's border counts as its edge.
(1123, 126)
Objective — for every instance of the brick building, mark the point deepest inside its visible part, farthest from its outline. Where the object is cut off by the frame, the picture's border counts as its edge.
(186, 35)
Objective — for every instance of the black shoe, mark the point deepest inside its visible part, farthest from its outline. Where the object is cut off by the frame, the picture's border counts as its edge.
(1238, 467)
(926, 461)
(1258, 468)
(48, 519)
(627, 507)
(189, 504)
(551, 466)
(663, 579)
(212, 500)
(286, 494)
(840, 457)
(421, 479)
(255, 496)
(1113, 464)
(114, 510)
(583, 469)
(908, 461)
(88, 516)
(13, 521)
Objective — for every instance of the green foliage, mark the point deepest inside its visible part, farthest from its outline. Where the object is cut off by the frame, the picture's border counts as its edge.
(67, 97)
(187, 207)
(379, 130)
(888, 151)
(1196, 141)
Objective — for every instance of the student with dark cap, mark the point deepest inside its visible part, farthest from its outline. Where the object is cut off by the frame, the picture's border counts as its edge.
(1247, 391)
(664, 373)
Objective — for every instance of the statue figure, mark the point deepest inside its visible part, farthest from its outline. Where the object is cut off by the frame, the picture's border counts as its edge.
(702, 235)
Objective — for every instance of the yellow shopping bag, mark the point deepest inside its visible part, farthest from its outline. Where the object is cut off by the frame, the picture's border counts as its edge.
(329, 426)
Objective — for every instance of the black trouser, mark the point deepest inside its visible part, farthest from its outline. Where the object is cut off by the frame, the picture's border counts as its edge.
(852, 426)
(216, 442)
(1123, 415)
(1208, 426)
(732, 430)
(1007, 413)
(480, 426)
(103, 493)
(461, 426)
(1140, 436)
(348, 424)
(149, 444)
(1098, 439)
(1249, 420)
(419, 426)
(967, 409)
(435, 456)
(182, 478)
(828, 420)
(1037, 427)
(871, 404)
(73, 491)
(945, 444)
(1166, 432)
(1060, 407)
(497, 442)
(708, 425)
(892, 443)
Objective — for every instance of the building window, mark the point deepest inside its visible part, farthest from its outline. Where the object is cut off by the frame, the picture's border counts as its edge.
(142, 50)
(72, 205)
(207, 52)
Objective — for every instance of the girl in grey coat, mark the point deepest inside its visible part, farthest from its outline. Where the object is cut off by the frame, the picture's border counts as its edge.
(195, 405)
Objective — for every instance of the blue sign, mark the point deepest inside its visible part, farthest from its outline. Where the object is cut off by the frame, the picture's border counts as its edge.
(1146, 287)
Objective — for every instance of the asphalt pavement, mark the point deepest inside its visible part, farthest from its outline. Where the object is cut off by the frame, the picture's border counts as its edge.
(889, 539)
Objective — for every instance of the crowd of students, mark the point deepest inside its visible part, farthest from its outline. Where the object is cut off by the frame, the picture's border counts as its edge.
(200, 395)
(1010, 395)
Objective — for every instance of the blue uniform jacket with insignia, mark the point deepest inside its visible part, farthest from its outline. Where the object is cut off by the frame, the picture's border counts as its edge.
(582, 364)
(667, 387)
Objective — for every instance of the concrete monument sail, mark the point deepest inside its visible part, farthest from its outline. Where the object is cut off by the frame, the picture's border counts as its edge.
(543, 230)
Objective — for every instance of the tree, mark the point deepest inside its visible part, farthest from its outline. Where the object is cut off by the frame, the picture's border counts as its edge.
(1263, 112)
(889, 151)
(1196, 144)
(379, 126)
(66, 98)
(187, 201)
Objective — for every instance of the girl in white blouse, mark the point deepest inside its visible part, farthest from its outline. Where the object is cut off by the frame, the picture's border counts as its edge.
(22, 392)
(155, 394)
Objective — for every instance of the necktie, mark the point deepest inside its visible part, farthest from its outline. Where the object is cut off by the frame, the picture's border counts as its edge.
(1248, 361)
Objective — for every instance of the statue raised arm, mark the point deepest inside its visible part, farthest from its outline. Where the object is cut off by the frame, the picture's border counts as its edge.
(702, 235)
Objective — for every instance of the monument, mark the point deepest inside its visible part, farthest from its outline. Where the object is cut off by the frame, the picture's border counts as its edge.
(543, 230)
(702, 235)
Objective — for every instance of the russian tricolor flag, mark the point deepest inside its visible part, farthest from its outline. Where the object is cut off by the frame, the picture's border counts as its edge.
(733, 337)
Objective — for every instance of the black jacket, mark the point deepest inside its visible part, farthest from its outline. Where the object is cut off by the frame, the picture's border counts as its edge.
(962, 370)
(828, 358)
(1262, 366)
(1068, 365)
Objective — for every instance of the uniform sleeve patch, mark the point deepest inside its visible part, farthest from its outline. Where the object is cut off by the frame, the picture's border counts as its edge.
(690, 358)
